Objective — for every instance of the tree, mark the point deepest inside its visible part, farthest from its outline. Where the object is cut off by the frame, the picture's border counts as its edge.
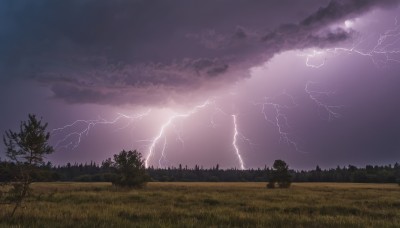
(130, 169)
(26, 149)
(280, 174)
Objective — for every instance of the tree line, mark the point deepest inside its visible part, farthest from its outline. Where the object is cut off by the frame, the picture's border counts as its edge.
(92, 172)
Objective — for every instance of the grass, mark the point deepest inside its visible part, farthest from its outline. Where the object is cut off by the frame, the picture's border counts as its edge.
(208, 205)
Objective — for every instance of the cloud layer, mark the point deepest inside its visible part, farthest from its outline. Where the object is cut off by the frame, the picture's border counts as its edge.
(155, 52)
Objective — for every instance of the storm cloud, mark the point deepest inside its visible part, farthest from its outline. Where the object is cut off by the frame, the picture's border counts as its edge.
(156, 52)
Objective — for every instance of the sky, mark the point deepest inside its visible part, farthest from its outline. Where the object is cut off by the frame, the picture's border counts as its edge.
(231, 82)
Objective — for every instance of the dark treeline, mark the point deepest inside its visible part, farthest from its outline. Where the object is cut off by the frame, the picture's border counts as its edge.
(92, 172)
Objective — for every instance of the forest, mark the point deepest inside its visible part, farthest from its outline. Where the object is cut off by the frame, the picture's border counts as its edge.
(92, 172)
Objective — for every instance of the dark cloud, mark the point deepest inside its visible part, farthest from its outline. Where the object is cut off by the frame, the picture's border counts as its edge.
(155, 51)
(336, 10)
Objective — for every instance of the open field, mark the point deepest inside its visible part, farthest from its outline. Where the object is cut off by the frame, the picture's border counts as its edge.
(209, 205)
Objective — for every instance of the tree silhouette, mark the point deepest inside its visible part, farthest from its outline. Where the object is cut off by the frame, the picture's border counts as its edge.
(27, 149)
(280, 175)
(130, 169)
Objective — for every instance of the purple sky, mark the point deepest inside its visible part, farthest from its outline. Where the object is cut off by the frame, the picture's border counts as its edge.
(311, 82)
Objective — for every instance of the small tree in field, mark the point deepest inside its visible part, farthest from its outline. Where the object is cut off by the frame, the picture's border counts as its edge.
(130, 169)
(280, 175)
(26, 149)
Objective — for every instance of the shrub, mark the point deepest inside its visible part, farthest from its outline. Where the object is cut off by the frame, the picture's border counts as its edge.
(129, 169)
(280, 175)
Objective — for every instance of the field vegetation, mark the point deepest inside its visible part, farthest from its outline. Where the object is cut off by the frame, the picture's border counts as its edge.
(204, 204)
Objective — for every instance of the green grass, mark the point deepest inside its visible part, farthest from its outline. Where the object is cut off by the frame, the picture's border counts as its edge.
(208, 205)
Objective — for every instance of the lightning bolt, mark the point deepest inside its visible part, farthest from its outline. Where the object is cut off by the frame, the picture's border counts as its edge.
(383, 52)
(161, 132)
(74, 138)
(313, 55)
(317, 97)
(172, 119)
(279, 118)
(236, 134)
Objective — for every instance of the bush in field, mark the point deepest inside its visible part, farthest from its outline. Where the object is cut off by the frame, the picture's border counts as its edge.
(129, 169)
(280, 175)
(26, 149)
(271, 185)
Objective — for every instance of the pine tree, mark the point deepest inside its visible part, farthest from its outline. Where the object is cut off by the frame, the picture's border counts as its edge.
(27, 149)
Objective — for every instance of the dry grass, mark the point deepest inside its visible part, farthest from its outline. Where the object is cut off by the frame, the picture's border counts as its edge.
(209, 205)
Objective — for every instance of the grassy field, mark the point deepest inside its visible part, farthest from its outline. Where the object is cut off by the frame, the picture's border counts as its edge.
(208, 205)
